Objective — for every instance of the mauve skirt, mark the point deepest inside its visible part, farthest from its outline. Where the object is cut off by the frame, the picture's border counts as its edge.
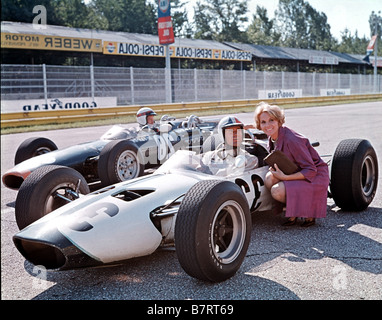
(306, 199)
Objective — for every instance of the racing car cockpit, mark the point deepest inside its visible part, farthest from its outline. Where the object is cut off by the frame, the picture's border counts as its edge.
(118, 132)
(213, 163)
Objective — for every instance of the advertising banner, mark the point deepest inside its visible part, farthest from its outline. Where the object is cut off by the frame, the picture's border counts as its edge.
(371, 44)
(335, 92)
(213, 54)
(165, 30)
(154, 50)
(323, 60)
(280, 93)
(133, 49)
(42, 42)
(58, 104)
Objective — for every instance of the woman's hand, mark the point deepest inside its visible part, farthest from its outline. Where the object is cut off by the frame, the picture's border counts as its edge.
(277, 173)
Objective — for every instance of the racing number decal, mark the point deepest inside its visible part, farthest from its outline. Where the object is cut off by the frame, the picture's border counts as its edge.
(257, 182)
(92, 213)
(165, 147)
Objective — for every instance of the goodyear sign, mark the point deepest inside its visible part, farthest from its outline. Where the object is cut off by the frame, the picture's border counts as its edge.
(153, 50)
(43, 42)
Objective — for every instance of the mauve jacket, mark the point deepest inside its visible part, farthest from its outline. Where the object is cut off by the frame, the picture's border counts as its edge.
(304, 198)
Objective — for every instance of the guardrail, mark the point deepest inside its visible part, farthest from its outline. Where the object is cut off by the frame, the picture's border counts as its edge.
(21, 119)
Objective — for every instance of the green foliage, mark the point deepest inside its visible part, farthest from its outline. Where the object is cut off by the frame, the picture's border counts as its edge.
(261, 31)
(220, 20)
(137, 16)
(351, 43)
(301, 26)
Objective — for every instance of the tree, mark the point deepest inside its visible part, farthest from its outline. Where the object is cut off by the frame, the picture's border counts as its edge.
(301, 26)
(22, 10)
(76, 14)
(181, 25)
(261, 31)
(69, 13)
(202, 19)
(375, 22)
(137, 16)
(220, 20)
(351, 44)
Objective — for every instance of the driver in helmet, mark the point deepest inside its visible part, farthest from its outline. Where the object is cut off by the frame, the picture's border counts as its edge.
(226, 154)
(145, 118)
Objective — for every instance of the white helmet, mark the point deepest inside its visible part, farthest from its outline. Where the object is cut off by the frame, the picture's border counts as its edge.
(142, 115)
(227, 122)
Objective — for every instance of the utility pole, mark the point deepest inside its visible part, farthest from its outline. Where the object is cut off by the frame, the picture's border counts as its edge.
(166, 37)
(168, 75)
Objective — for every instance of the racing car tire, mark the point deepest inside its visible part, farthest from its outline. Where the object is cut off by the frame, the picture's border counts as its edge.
(36, 197)
(33, 147)
(119, 160)
(212, 230)
(354, 174)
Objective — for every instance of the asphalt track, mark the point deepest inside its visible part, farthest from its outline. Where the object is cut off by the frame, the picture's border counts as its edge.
(338, 258)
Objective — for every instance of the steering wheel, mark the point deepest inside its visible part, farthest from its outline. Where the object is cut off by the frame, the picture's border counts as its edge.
(219, 151)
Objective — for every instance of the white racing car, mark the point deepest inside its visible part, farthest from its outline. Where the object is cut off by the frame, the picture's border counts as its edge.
(204, 210)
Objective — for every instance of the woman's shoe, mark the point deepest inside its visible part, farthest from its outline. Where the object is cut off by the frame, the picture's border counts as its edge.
(308, 223)
(290, 222)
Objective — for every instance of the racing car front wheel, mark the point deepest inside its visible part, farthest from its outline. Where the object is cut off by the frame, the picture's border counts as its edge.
(33, 147)
(212, 230)
(119, 160)
(354, 174)
(47, 188)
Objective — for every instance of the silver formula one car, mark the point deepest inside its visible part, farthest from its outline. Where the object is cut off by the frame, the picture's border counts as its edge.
(204, 210)
(120, 154)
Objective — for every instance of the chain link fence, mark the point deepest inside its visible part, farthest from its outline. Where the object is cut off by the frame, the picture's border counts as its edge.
(148, 86)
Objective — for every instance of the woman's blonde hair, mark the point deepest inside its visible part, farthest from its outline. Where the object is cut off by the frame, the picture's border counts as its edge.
(274, 111)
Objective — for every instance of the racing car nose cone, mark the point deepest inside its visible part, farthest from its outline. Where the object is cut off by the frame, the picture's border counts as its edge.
(50, 249)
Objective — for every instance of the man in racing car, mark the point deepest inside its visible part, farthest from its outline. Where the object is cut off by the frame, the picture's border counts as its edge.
(145, 118)
(230, 153)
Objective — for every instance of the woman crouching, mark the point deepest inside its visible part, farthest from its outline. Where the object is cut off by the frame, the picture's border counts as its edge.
(304, 192)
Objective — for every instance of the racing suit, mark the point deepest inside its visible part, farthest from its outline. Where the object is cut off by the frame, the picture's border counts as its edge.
(223, 161)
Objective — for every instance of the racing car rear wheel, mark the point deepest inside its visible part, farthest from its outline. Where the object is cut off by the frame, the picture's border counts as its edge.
(33, 147)
(46, 189)
(354, 174)
(212, 230)
(120, 160)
